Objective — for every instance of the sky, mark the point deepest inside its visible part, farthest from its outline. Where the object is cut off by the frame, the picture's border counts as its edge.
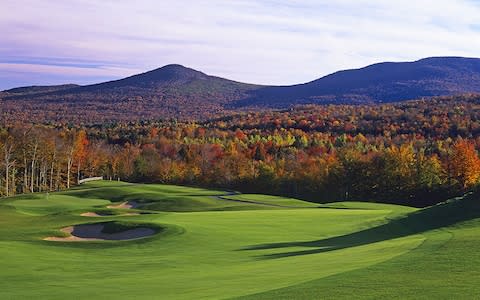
(275, 42)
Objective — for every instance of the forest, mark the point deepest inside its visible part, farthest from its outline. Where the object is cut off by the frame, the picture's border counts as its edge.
(413, 153)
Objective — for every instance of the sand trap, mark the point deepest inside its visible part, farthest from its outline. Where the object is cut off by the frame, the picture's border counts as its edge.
(93, 232)
(94, 214)
(125, 205)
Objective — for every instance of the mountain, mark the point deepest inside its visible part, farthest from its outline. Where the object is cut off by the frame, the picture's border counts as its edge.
(383, 82)
(168, 82)
(172, 76)
(35, 90)
(175, 91)
(172, 91)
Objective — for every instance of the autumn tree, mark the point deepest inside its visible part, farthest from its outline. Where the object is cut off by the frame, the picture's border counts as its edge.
(6, 145)
(464, 164)
(80, 151)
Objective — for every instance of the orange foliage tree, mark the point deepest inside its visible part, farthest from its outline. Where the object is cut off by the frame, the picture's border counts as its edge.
(80, 151)
(464, 164)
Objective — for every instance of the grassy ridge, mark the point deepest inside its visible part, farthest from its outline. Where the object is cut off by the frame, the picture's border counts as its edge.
(444, 266)
(271, 200)
(213, 248)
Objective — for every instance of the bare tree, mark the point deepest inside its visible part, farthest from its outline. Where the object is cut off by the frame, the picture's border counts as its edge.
(8, 162)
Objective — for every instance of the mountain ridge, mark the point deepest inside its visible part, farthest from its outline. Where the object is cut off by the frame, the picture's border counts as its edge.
(176, 91)
(381, 82)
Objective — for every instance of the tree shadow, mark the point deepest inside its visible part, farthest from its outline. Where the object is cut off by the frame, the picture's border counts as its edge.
(435, 217)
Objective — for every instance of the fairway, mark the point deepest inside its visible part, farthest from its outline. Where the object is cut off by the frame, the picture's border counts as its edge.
(209, 244)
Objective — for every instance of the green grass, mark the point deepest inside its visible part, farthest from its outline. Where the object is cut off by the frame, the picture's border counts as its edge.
(262, 248)
(160, 197)
(41, 204)
(272, 200)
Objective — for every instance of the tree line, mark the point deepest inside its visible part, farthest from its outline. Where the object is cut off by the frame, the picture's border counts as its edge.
(409, 153)
(319, 166)
(39, 158)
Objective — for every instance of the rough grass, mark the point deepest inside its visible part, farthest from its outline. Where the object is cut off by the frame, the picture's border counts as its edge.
(211, 248)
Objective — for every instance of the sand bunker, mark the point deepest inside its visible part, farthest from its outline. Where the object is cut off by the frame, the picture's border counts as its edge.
(94, 232)
(125, 205)
(94, 214)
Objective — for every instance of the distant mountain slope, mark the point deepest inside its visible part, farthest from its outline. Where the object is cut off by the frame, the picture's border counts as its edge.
(174, 91)
(174, 77)
(35, 90)
(383, 82)
(169, 81)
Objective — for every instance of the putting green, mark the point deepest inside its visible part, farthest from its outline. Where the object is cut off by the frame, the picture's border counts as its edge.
(214, 248)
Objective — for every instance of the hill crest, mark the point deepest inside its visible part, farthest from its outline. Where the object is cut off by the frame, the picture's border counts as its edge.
(176, 91)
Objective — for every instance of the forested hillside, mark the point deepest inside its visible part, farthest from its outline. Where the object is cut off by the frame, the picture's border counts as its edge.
(172, 91)
(382, 82)
(397, 153)
(178, 92)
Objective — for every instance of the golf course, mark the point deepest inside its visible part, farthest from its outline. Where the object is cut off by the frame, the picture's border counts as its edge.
(116, 240)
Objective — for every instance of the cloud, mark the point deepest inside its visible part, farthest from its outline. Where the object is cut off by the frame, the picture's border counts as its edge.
(269, 42)
(65, 70)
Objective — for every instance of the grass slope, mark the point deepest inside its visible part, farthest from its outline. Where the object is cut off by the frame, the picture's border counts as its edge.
(271, 200)
(159, 197)
(444, 266)
(212, 248)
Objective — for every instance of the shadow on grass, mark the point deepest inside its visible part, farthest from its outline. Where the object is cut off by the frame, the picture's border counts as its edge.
(431, 218)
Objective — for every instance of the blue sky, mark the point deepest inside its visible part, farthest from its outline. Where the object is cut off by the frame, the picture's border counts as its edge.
(268, 42)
